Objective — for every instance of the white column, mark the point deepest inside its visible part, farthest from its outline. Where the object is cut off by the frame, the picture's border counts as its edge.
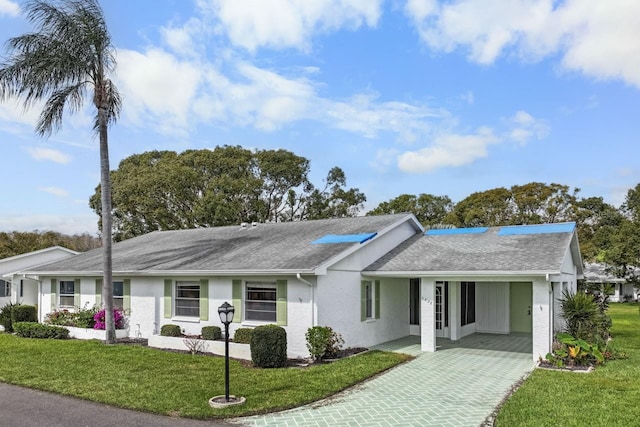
(454, 310)
(427, 315)
(541, 318)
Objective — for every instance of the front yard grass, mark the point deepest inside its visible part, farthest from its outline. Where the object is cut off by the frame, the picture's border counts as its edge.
(175, 384)
(608, 396)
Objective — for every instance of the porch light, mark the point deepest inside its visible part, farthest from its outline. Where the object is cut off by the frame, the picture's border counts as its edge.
(226, 311)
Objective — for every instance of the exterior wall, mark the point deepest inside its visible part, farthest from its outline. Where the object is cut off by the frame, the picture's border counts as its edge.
(338, 304)
(541, 313)
(492, 307)
(428, 315)
(146, 316)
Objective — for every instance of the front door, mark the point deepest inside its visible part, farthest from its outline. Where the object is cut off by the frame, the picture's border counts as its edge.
(520, 312)
(442, 309)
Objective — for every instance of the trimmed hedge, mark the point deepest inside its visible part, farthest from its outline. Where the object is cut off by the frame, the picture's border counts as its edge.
(24, 313)
(170, 331)
(6, 313)
(211, 333)
(38, 330)
(269, 347)
(243, 335)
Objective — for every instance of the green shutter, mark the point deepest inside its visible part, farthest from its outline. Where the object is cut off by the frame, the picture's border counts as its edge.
(168, 283)
(377, 301)
(54, 292)
(99, 293)
(204, 299)
(236, 299)
(281, 302)
(126, 294)
(363, 300)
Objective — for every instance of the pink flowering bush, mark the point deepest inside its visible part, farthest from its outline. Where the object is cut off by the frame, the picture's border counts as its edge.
(118, 318)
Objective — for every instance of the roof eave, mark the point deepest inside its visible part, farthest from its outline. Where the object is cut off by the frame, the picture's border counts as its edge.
(171, 273)
(466, 273)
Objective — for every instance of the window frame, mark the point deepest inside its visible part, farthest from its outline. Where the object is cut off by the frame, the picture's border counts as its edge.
(272, 287)
(195, 286)
(71, 295)
(119, 305)
(6, 288)
(467, 303)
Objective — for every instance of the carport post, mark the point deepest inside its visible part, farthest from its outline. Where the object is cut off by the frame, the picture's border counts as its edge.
(427, 315)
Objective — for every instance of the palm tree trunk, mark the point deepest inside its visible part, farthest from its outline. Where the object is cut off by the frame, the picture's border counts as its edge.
(105, 184)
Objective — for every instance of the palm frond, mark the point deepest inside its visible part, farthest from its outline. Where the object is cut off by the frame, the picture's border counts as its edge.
(51, 116)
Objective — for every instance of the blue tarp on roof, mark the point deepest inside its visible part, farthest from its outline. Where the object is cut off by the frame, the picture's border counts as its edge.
(453, 231)
(345, 238)
(566, 227)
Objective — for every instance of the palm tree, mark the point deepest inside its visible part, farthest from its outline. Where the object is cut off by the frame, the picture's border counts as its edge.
(68, 57)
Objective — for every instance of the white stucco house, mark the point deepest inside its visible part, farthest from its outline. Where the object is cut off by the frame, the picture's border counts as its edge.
(15, 288)
(373, 279)
(596, 273)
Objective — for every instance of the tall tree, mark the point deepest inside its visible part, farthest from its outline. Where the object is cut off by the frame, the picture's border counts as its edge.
(68, 58)
(486, 208)
(334, 200)
(429, 209)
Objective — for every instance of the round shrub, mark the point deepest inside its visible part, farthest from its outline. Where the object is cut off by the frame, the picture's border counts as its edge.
(322, 341)
(6, 316)
(170, 331)
(243, 335)
(24, 313)
(211, 333)
(38, 330)
(269, 346)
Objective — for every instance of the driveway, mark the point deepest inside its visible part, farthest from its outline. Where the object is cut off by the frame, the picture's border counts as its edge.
(24, 407)
(458, 385)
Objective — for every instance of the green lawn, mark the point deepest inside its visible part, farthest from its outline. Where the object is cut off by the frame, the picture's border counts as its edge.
(172, 383)
(609, 396)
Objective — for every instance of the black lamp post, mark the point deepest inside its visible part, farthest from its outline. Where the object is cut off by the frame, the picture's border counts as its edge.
(226, 311)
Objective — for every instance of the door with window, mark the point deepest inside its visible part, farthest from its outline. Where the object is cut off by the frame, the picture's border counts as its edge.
(442, 309)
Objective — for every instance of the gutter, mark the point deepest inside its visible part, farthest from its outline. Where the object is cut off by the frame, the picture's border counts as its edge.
(174, 273)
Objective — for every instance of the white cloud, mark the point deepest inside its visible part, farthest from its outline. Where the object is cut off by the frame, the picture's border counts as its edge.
(524, 127)
(385, 158)
(448, 150)
(7, 7)
(599, 39)
(68, 224)
(60, 192)
(48, 154)
(278, 24)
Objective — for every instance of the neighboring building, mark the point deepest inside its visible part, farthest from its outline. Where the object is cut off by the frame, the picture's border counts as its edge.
(18, 289)
(595, 273)
(373, 279)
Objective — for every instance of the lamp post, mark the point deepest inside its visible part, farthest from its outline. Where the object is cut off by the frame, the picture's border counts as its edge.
(225, 311)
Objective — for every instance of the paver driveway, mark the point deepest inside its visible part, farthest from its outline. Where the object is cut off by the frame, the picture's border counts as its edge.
(458, 385)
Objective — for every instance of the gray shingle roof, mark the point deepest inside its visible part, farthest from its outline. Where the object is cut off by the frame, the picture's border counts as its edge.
(477, 252)
(266, 247)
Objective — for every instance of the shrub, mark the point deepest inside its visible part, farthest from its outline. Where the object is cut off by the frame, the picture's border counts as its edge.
(38, 330)
(60, 318)
(243, 335)
(84, 317)
(6, 316)
(170, 331)
(211, 333)
(118, 319)
(24, 313)
(269, 346)
(79, 317)
(322, 341)
(581, 313)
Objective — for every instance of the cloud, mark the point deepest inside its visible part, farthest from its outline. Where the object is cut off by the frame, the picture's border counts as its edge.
(281, 24)
(9, 8)
(448, 150)
(55, 191)
(524, 127)
(48, 154)
(601, 40)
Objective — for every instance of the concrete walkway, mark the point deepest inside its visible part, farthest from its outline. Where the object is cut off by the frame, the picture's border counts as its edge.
(458, 385)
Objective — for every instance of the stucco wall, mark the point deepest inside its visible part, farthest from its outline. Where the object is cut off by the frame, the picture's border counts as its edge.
(338, 302)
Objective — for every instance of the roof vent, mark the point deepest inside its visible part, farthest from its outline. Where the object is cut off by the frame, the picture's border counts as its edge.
(254, 224)
(244, 225)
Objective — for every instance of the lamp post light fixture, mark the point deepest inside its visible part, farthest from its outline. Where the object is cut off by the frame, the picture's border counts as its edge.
(226, 311)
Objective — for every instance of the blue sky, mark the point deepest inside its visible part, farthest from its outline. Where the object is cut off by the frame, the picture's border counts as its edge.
(406, 96)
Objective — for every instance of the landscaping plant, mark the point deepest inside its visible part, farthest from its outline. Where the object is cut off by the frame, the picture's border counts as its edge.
(269, 346)
(170, 331)
(118, 318)
(322, 341)
(39, 330)
(243, 336)
(211, 333)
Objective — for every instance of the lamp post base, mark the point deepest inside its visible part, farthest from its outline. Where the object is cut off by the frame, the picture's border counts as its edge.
(219, 402)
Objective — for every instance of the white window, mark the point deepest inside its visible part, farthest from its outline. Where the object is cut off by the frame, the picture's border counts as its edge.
(260, 298)
(118, 295)
(187, 299)
(5, 288)
(67, 288)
